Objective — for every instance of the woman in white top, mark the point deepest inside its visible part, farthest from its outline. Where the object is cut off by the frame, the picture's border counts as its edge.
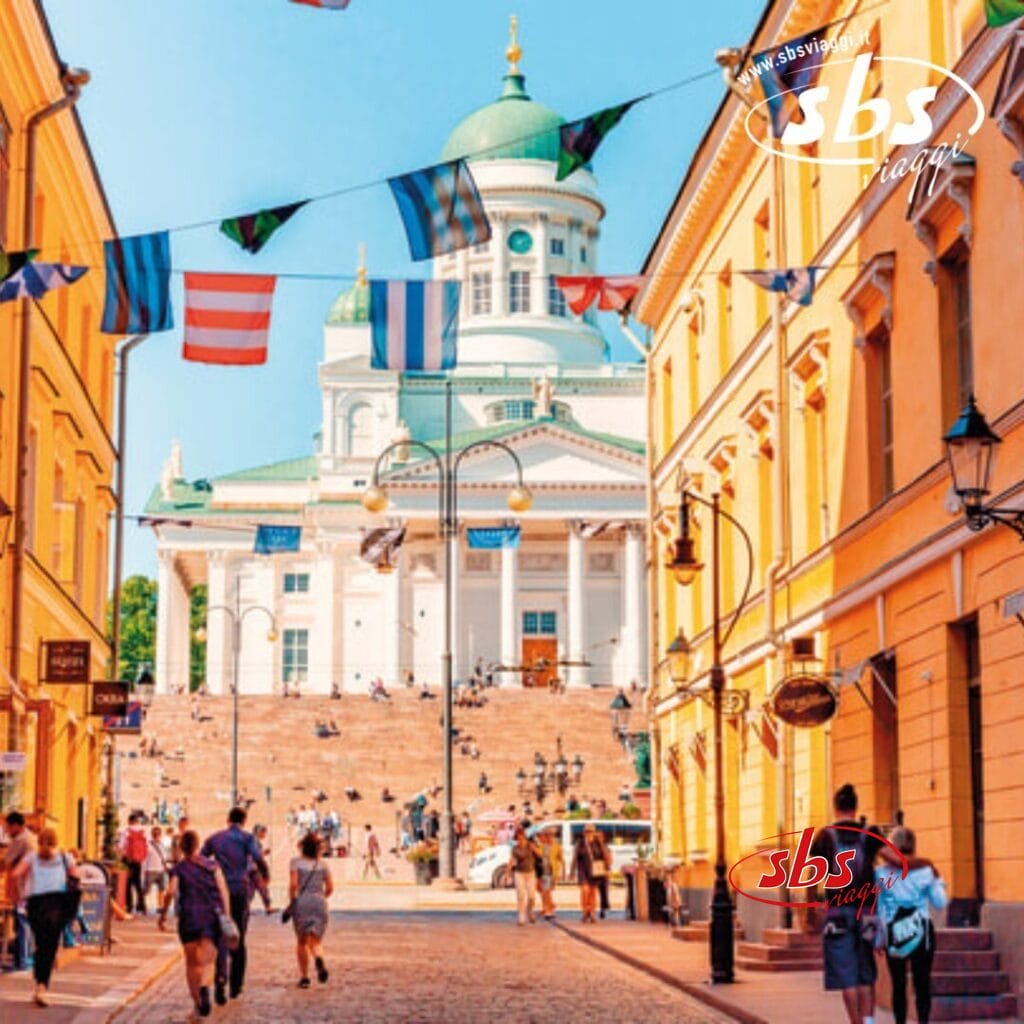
(46, 872)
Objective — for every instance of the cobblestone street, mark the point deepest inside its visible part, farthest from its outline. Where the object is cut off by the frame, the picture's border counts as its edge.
(444, 967)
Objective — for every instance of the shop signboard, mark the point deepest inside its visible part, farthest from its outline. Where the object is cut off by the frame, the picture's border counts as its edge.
(65, 661)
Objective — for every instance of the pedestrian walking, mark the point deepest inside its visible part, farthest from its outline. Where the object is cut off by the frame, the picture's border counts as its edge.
(909, 932)
(234, 850)
(848, 937)
(154, 867)
(134, 850)
(309, 887)
(21, 843)
(602, 877)
(549, 871)
(371, 851)
(588, 867)
(197, 883)
(257, 883)
(48, 874)
(183, 827)
(522, 866)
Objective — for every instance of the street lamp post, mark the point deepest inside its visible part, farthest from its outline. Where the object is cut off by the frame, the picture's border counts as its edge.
(685, 566)
(375, 500)
(237, 616)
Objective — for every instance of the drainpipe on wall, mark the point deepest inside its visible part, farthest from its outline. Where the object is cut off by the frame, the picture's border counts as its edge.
(71, 80)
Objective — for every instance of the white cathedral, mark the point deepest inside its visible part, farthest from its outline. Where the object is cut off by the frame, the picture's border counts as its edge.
(568, 601)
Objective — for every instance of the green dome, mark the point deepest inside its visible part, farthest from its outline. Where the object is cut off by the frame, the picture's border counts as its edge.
(352, 306)
(514, 127)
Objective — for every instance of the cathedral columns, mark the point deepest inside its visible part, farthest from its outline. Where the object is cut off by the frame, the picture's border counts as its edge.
(499, 239)
(577, 674)
(172, 627)
(218, 625)
(632, 625)
(510, 614)
(539, 283)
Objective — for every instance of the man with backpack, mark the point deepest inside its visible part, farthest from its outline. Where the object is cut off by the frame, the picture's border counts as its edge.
(848, 935)
(135, 850)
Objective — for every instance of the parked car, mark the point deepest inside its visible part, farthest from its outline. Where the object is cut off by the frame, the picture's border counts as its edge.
(489, 866)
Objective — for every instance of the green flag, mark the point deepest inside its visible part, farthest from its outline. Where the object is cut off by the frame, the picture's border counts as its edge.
(252, 231)
(580, 139)
(1002, 12)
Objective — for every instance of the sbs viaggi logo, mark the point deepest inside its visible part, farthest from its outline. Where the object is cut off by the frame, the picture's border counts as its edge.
(838, 129)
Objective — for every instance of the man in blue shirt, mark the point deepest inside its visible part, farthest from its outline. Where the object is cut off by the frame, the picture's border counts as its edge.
(235, 851)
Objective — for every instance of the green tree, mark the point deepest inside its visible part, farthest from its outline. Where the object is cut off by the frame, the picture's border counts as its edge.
(197, 647)
(138, 625)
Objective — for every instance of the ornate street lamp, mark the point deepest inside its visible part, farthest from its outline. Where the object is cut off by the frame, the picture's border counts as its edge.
(145, 686)
(677, 656)
(619, 710)
(971, 453)
(683, 562)
(577, 769)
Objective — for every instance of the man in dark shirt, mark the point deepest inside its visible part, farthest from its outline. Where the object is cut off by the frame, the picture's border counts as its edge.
(236, 851)
(847, 944)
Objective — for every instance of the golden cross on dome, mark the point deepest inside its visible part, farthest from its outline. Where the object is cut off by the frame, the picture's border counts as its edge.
(514, 53)
(361, 269)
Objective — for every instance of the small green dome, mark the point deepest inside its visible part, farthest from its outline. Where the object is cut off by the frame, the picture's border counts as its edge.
(352, 306)
(514, 127)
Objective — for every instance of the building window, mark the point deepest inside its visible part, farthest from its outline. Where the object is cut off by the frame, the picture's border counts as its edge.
(583, 254)
(881, 466)
(556, 298)
(481, 293)
(557, 246)
(724, 304)
(481, 247)
(519, 291)
(360, 431)
(957, 355)
(540, 623)
(295, 656)
(762, 254)
(296, 582)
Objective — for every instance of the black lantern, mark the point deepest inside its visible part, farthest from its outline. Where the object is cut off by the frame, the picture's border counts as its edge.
(145, 686)
(971, 449)
(677, 656)
(577, 768)
(619, 710)
(682, 561)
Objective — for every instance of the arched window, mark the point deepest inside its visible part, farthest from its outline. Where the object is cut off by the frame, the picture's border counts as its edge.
(360, 431)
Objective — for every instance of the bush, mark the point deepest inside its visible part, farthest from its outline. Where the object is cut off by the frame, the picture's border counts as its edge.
(422, 852)
(630, 811)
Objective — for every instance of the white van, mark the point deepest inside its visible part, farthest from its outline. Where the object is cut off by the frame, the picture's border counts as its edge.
(623, 837)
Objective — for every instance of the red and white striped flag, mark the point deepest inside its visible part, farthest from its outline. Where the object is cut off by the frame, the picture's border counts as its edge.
(227, 318)
(331, 5)
(610, 292)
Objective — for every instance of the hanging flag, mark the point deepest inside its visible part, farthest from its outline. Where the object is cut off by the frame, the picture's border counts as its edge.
(227, 318)
(272, 539)
(580, 139)
(138, 297)
(492, 538)
(21, 278)
(331, 5)
(782, 80)
(1002, 12)
(414, 324)
(797, 283)
(381, 544)
(441, 209)
(589, 530)
(252, 231)
(611, 293)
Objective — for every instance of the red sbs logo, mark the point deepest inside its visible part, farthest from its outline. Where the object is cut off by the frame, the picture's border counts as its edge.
(809, 870)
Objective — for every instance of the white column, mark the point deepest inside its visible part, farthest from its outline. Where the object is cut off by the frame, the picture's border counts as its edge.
(172, 627)
(323, 669)
(631, 636)
(539, 298)
(510, 614)
(218, 624)
(392, 653)
(259, 658)
(499, 239)
(577, 674)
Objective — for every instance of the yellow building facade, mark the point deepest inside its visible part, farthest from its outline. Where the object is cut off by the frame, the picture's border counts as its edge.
(68, 456)
(821, 427)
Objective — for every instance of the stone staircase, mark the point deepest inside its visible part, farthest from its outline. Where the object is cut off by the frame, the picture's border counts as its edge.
(395, 744)
(781, 949)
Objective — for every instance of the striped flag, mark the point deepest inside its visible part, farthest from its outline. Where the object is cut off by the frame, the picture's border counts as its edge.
(21, 278)
(610, 292)
(441, 209)
(414, 324)
(252, 231)
(381, 544)
(227, 318)
(580, 139)
(1002, 12)
(782, 82)
(796, 283)
(331, 5)
(138, 299)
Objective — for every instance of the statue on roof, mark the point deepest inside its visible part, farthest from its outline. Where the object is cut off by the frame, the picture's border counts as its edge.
(172, 470)
(543, 390)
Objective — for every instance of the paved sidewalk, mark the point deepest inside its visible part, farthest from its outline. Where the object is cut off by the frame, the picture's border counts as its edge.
(754, 998)
(90, 988)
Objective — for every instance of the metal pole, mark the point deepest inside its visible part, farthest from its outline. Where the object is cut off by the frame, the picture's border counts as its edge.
(721, 931)
(236, 633)
(448, 532)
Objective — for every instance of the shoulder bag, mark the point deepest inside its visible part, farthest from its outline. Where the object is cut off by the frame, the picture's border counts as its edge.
(72, 895)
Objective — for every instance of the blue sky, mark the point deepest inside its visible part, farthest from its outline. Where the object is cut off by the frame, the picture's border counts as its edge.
(202, 108)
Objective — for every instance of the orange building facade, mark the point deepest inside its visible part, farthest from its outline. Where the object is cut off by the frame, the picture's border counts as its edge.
(821, 428)
(68, 456)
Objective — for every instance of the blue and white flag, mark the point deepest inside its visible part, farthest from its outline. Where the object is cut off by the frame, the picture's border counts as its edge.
(138, 297)
(20, 278)
(491, 538)
(797, 283)
(441, 209)
(414, 324)
(272, 539)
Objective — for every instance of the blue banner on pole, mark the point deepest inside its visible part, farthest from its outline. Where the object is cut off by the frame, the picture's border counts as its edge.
(272, 539)
(491, 538)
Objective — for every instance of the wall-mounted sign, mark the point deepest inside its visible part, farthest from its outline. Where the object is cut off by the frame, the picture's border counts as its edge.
(65, 661)
(129, 722)
(13, 760)
(109, 700)
(804, 700)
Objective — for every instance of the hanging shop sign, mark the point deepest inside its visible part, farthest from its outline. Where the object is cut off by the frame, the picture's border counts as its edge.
(804, 700)
(65, 661)
(109, 699)
(13, 760)
(129, 722)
